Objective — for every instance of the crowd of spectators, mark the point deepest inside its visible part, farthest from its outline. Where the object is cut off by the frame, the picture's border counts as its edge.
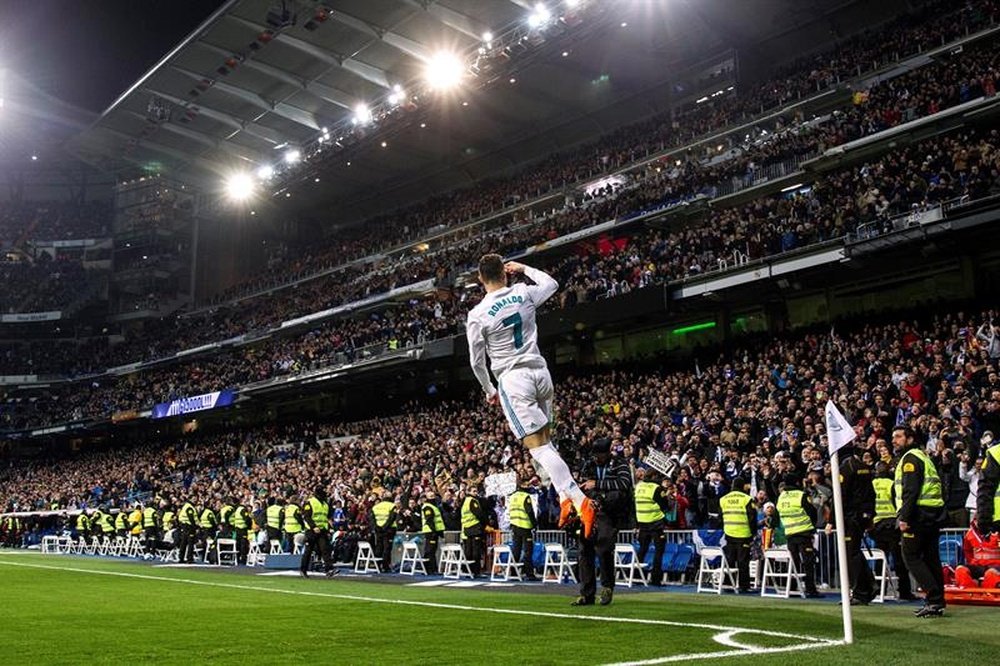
(53, 220)
(862, 198)
(763, 228)
(43, 285)
(756, 412)
(934, 24)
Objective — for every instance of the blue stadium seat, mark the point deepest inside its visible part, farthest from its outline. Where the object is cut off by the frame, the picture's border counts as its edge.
(950, 550)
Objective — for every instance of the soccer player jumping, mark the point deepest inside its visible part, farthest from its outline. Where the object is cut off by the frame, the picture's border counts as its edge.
(503, 326)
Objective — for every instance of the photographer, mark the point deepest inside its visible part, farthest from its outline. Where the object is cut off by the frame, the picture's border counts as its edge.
(607, 480)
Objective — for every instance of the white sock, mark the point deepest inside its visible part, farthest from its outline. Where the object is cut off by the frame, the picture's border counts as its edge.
(558, 470)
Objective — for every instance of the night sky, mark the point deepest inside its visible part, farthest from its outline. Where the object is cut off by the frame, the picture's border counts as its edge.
(87, 52)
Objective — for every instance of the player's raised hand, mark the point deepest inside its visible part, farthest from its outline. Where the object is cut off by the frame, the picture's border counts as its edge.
(493, 399)
(512, 267)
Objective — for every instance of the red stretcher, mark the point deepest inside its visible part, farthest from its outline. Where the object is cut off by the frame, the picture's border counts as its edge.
(971, 596)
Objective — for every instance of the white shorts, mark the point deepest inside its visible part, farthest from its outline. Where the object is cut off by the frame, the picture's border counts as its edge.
(526, 399)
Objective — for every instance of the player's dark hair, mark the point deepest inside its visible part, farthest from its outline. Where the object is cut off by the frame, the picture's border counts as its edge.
(491, 268)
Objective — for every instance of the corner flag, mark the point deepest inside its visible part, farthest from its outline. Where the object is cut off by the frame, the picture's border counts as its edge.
(839, 434)
(838, 430)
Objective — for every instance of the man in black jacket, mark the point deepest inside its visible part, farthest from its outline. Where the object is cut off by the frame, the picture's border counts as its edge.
(858, 497)
(608, 480)
(920, 513)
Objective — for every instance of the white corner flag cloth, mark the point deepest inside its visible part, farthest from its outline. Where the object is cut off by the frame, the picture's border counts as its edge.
(838, 430)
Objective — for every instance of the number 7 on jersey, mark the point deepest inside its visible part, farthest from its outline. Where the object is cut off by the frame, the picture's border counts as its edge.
(515, 321)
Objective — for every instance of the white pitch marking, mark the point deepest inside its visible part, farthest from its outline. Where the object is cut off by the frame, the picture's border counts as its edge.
(428, 583)
(814, 643)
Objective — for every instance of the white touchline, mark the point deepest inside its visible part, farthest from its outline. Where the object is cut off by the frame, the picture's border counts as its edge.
(723, 637)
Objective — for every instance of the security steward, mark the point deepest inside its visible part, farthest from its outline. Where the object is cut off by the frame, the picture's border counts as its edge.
(988, 498)
(274, 517)
(107, 526)
(522, 524)
(121, 523)
(316, 517)
(225, 531)
(239, 521)
(858, 497)
(798, 518)
(474, 531)
(187, 526)
(920, 512)
(608, 481)
(292, 526)
(83, 525)
(432, 529)
(208, 527)
(651, 504)
(885, 533)
(383, 521)
(150, 529)
(739, 523)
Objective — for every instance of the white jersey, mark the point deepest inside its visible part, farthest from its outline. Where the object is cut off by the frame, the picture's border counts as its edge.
(503, 326)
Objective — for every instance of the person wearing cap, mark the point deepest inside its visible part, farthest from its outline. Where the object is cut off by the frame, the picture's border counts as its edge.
(988, 490)
(432, 528)
(739, 523)
(316, 517)
(798, 520)
(651, 505)
(884, 531)
(920, 513)
(608, 484)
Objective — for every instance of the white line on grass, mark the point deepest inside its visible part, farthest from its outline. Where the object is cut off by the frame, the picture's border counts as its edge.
(724, 636)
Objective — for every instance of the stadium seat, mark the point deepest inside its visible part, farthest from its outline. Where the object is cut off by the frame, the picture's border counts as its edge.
(780, 574)
(225, 552)
(681, 561)
(453, 562)
(412, 561)
(884, 579)
(719, 576)
(557, 565)
(366, 562)
(504, 567)
(950, 550)
(628, 569)
(255, 556)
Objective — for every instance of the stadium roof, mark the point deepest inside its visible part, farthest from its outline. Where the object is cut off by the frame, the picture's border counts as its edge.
(251, 83)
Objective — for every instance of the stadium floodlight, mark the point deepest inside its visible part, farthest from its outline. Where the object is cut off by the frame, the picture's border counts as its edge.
(397, 95)
(444, 70)
(572, 4)
(487, 36)
(362, 114)
(239, 186)
(292, 156)
(540, 17)
(265, 172)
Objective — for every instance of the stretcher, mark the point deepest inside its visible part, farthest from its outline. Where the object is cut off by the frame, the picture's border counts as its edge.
(971, 596)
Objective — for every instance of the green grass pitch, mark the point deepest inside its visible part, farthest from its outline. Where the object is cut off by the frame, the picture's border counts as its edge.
(72, 610)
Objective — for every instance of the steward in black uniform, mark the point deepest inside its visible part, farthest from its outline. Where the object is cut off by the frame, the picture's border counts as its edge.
(474, 531)
(608, 480)
(858, 496)
(921, 513)
(240, 521)
(432, 529)
(988, 497)
(885, 532)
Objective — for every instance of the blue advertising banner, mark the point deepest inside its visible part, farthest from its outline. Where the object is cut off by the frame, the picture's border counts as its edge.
(196, 403)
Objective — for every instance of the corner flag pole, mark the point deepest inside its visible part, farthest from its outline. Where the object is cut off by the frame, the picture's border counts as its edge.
(845, 585)
(839, 434)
